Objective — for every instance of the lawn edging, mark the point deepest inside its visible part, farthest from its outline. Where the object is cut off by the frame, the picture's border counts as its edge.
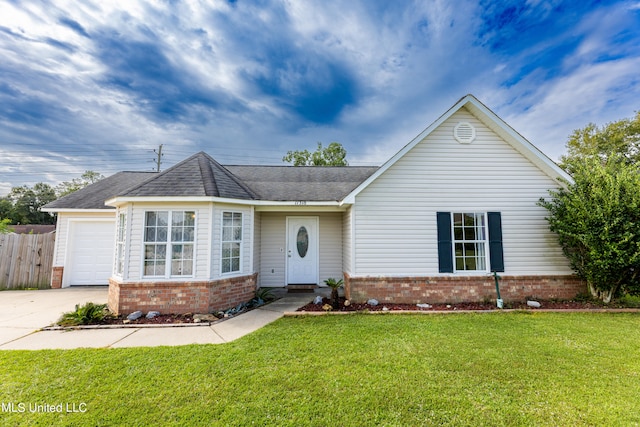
(542, 310)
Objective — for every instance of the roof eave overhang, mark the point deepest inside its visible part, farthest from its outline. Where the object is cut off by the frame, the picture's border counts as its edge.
(76, 210)
(119, 201)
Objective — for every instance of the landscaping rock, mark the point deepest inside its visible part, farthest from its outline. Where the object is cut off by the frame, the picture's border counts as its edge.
(423, 305)
(373, 302)
(197, 318)
(135, 315)
(534, 304)
(317, 300)
(327, 307)
(152, 314)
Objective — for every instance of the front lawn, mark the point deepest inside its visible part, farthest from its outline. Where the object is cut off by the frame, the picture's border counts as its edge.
(463, 369)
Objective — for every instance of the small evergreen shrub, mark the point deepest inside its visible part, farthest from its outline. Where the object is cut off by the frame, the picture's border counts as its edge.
(630, 301)
(334, 285)
(87, 314)
(265, 295)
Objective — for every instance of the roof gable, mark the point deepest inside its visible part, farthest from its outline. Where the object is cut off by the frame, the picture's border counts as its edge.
(491, 120)
(198, 175)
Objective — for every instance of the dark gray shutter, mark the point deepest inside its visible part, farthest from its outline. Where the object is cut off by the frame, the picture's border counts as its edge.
(445, 248)
(496, 256)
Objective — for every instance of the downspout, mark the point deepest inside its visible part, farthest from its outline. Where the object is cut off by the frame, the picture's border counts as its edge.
(499, 300)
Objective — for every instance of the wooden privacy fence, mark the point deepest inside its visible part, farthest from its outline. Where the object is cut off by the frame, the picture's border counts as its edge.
(26, 260)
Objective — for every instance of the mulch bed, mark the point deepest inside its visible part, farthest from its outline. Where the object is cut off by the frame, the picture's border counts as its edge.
(477, 306)
(158, 320)
(311, 307)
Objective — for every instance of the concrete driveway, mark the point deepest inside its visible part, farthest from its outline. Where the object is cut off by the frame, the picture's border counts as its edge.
(23, 312)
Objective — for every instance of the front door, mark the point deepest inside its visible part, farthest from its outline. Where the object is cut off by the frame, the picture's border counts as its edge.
(302, 250)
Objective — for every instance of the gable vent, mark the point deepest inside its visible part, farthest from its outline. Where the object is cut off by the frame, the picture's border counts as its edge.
(464, 133)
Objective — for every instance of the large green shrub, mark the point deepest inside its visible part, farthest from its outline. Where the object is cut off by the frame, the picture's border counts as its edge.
(597, 219)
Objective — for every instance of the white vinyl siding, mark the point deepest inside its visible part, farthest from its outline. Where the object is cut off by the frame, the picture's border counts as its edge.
(273, 244)
(330, 247)
(272, 249)
(257, 231)
(395, 216)
(346, 240)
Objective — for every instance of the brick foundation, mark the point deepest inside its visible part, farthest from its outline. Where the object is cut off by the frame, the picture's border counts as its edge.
(450, 289)
(181, 297)
(56, 277)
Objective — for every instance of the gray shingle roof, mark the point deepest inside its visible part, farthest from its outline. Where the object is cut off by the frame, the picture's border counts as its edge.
(93, 196)
(201, 175)
(304, 183)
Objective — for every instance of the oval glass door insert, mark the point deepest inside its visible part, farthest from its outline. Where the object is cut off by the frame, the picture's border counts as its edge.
(302, 241)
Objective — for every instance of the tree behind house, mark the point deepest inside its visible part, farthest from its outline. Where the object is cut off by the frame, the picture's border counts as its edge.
(620, 138)
(332, 155)
(87, 178)
(26, 203)
(22, 205)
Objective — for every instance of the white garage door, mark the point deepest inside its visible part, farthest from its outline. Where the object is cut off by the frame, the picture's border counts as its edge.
(91, 257)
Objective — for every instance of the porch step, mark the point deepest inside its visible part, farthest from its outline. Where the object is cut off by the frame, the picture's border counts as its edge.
(300, 289)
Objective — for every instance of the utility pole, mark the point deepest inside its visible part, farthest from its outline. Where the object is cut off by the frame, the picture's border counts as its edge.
(159, 159)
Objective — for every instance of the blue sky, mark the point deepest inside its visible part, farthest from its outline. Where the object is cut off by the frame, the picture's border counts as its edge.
(98, 85)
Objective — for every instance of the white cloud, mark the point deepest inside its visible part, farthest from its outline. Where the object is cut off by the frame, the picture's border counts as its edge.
(600, 93)
(411, 61)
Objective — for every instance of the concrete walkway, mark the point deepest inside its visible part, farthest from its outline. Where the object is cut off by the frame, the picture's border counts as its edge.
(24, 313)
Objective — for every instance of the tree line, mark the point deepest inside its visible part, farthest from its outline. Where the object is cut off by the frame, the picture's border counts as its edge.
(22, 204)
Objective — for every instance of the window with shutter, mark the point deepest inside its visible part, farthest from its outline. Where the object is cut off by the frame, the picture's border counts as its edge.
(469, 241)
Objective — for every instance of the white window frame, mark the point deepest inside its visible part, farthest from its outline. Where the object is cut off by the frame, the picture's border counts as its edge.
(233, 241)
(169, 244)
(121, 237)
(484, 242)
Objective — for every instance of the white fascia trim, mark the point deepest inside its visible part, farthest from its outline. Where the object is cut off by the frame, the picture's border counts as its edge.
(116, 201)
(519, 142)
(333, 207)
(67, 210)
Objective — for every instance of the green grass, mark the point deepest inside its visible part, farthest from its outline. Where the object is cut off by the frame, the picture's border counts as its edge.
(545, 369)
